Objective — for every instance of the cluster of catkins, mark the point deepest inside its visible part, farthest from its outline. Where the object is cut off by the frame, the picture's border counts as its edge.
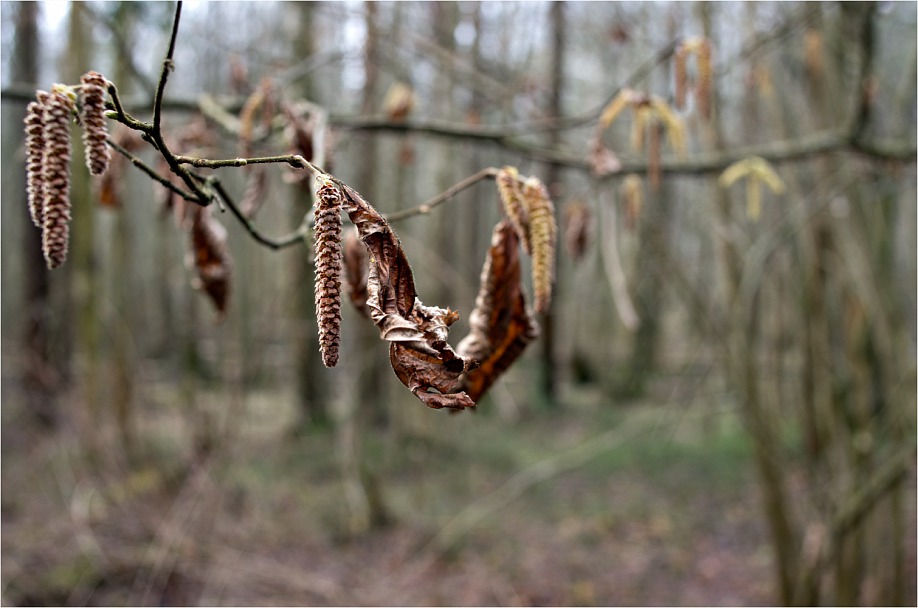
(48, 151)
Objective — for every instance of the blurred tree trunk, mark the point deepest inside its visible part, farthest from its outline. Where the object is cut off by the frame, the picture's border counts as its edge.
(372, 366)
(39, 373)
(362, 490)
(555, 187)
(313, 386)
(122, 319)
(739, 342)
(83, 261)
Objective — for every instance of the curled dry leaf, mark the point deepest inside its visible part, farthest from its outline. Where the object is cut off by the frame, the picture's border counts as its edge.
(500, 325)
(418, 351)
(256, 191)
(210, 258)
(356, 266)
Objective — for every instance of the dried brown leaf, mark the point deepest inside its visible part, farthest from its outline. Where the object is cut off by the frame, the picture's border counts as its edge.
(256, 191)
(356, 268)
(500, 325)
(419, 353)
(210, 258)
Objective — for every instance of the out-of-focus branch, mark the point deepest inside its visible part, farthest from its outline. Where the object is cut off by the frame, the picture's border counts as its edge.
(489, 172)
(124, 50)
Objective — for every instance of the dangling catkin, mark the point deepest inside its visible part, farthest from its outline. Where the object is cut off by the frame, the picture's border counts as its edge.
(328, 269)
(633, 199)
(93, 116)
(56, 174)
(653, 155)
(35, 149)
(703, 88)
(680, 76)
(508, 186)
(543, 234)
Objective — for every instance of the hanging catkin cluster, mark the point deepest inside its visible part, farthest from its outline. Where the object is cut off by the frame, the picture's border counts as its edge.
(35, 149)
(93, 116)
(328, 269)
(543, 234)
(48, 151)
(701, 48)
(55, 172)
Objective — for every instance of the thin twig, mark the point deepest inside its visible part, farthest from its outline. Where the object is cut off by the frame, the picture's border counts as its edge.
(168, 65)
(489, 172)
(278, 243)
(122, 116)
(148, 170)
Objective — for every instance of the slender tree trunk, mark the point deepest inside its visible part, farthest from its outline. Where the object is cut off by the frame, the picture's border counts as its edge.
(740, 353)
(82, 261)
(555, 187)
(121, 321)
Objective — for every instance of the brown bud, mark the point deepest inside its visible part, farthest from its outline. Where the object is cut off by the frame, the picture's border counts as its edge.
(92, 114)
(328, 269)
(56, 174)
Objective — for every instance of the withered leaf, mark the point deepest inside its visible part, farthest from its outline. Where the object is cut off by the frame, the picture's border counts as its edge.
(419, 353)
(501, 326)
(356, 267)
(210, 257)
(256, 191)
(108, 186)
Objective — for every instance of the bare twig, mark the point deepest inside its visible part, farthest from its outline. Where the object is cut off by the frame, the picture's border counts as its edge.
(278, 243)
(444, 196)
(148, 170)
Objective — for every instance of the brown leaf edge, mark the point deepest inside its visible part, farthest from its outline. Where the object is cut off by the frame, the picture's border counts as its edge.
(501, 326)
(418, 351)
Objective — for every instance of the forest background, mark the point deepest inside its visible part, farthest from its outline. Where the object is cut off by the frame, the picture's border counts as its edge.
(719, 408)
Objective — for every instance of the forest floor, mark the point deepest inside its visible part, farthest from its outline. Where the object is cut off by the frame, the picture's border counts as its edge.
(587, 505)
